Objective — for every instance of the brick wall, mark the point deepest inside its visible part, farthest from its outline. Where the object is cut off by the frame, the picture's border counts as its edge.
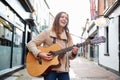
(102, 5)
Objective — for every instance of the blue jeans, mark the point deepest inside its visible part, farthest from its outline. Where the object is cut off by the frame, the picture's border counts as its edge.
(53, 75)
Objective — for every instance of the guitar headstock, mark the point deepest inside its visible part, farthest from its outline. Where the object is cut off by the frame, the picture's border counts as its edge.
(97, 40)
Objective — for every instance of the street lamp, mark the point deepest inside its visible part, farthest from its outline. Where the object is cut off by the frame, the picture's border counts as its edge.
(102, 21)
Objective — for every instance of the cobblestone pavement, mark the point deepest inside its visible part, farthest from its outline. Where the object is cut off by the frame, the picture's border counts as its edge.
(81, 69)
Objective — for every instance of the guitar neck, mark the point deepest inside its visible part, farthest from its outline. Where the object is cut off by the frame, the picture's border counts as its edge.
(63, 51)
(96, 40)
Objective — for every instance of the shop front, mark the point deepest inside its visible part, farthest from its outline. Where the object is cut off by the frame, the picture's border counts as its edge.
(12, 41)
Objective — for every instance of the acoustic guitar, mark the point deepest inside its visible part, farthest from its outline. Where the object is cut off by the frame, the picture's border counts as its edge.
(40, 67)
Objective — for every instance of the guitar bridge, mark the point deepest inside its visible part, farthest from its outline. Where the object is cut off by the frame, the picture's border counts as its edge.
(39, 60)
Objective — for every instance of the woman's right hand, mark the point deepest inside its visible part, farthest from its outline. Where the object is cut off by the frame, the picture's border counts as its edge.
(45, 56)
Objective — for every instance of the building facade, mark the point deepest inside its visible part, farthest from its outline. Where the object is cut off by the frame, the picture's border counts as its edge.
(20, 21)
(109, 55)
(106, 23)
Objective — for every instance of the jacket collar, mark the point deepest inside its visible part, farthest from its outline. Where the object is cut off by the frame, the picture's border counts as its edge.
(62, 35)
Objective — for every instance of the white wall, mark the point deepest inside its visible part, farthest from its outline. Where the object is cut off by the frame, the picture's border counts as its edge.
(111, 61)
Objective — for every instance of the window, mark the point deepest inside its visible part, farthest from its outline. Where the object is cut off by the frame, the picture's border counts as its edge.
(107, 42)
(6, 31)
(17, 47)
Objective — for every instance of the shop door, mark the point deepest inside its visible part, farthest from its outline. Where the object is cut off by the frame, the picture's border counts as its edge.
(96, 53)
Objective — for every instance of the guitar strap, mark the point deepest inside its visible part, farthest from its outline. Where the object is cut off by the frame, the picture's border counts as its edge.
(54, 40)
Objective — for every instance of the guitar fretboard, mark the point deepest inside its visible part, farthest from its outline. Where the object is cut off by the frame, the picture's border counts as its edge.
(96, 40)
(63, 51)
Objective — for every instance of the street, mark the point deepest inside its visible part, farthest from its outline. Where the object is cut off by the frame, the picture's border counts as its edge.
(81, 69)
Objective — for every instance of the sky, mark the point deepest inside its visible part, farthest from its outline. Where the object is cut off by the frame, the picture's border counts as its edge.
(78, 11)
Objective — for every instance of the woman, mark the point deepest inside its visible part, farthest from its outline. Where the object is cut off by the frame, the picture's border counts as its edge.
(59, 34)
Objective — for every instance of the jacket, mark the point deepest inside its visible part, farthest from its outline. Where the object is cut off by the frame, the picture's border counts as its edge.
(45, 38)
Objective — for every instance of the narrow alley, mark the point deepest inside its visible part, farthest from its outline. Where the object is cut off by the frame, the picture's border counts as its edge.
(81, 69)
(93, 23)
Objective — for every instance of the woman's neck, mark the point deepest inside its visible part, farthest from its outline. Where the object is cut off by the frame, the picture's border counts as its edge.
(61, 30)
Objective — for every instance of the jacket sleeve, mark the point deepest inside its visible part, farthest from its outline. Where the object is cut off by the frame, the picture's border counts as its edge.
(70, 52)
(32, 45)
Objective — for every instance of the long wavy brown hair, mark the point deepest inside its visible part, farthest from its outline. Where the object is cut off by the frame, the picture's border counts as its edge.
(55, 26)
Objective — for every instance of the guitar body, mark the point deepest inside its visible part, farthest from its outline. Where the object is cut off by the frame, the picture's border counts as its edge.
(35, 68)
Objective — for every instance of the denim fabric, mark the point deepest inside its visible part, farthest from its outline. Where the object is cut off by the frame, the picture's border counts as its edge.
(53, 75)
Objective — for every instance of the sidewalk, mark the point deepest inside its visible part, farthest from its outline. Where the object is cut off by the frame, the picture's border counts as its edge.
(81, 69)
(88, 70)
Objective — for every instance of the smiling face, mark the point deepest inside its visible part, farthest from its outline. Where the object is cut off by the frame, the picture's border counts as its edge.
(60, 23)
(63, 20)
